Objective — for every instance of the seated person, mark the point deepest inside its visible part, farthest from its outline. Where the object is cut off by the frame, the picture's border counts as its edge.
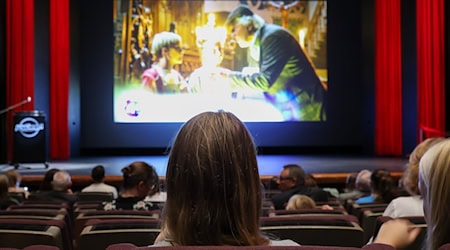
(292, 181)
(5, 200)
(213, 187)
(14, 179)
(139, 180)
(61, 191)
(300, 201)
(383, 188)
(98, 176)
(411, 205)
(360, 188)
(46, 184)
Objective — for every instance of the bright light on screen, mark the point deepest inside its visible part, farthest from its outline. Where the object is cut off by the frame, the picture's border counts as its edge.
(175, 59)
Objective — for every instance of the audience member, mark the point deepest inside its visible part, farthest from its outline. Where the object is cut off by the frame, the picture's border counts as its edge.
(434, 185)
(213, 186)
(411, 205)
(383, 188)
(5, 200)
(61, 191)
(292, 181)
(14, 179)
(139, 180)
(46, 184)
(361, 186)
(98, 176)
(300, 201)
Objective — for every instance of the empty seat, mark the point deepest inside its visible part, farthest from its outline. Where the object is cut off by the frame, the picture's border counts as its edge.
(99, 234)
(20, 233)
(83, 217)
(325, 230)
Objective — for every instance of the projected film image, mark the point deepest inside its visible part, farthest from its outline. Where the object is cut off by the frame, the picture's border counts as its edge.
(264, 61)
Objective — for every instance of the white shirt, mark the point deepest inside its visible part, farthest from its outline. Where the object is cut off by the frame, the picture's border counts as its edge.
(101, 187)
(405, 206)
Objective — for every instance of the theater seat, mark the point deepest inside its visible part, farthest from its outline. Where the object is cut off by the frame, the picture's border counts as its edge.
(94, 196)
(323, 230)
(99, 234)
(20, 233)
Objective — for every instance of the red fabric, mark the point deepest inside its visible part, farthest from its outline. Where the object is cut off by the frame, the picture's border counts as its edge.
(59, 79)
(388, 78)
(431, 64)
(19, 61)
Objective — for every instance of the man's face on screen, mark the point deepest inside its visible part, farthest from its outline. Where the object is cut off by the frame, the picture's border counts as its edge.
(241, 34)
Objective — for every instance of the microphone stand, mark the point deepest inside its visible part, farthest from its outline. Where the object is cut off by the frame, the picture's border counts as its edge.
(15, 105)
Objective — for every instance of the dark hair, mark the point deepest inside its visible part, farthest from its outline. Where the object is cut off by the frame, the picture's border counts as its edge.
(296, 172)
(98, 173)
(46, 184)
(140, 171)
(213, 184)
(240, 11)
(383, 185)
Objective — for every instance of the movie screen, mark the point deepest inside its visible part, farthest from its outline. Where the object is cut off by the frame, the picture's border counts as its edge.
(264, 61)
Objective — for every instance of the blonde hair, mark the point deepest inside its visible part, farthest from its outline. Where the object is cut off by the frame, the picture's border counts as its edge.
(300, 201)
(410, 177)
(434, 169)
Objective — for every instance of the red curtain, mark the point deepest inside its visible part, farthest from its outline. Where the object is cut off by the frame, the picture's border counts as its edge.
(19, 61)
(59, 79)
(430, 66)
(388, 78)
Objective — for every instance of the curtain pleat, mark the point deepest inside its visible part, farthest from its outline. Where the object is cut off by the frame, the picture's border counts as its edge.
(388, 78)
(59, 79)
(19, 62)
(430, 67)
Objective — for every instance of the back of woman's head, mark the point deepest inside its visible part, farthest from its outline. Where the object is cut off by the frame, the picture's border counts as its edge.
(138, 172)
(213, 185)
(411, 174)
(383, 185)
(434, 169)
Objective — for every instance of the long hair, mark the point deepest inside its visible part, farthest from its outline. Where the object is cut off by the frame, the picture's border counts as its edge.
(3, 187)
(213, 185)
(434, 169)
(411, 174)
(383, 185)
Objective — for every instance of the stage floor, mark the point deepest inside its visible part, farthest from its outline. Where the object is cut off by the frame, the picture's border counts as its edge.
(268, 164)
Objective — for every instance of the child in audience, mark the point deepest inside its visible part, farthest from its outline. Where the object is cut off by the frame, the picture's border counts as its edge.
(299, 201)
(162, 77)
(139, 180)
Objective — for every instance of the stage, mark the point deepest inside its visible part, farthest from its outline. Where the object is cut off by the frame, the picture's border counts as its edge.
(269, 165)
